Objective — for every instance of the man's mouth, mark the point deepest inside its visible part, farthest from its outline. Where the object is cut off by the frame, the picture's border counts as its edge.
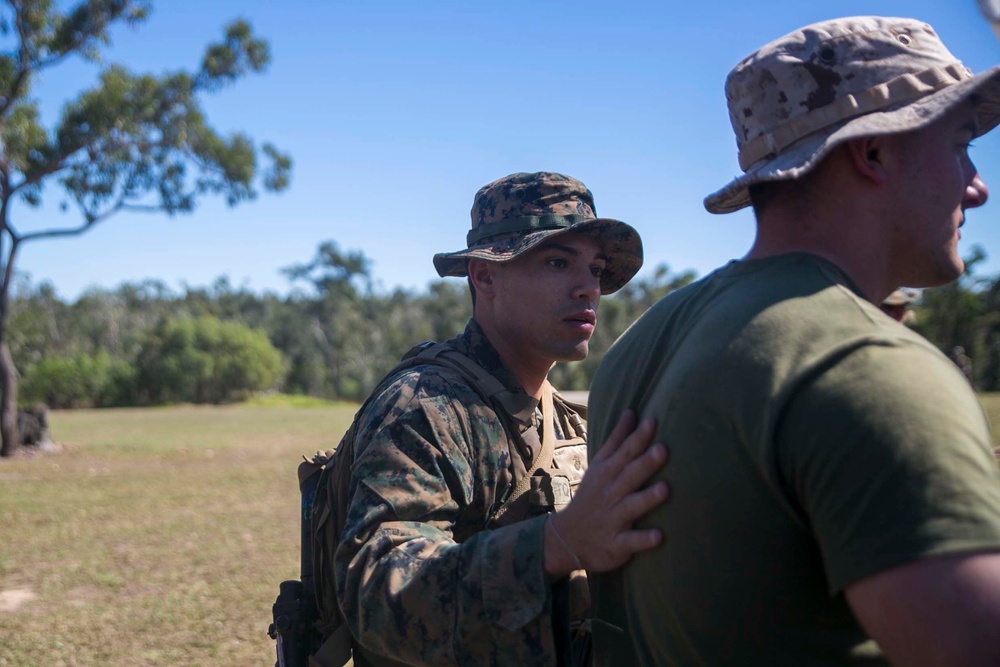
(585, 317)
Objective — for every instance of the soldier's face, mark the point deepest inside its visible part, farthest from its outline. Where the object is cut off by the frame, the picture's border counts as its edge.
(936, 183)
(546, 300)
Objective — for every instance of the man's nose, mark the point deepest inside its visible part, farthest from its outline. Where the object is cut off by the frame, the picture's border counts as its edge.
(589, 287)
(976, 193)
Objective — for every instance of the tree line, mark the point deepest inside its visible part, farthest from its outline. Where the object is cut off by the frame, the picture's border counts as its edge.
(334, 334)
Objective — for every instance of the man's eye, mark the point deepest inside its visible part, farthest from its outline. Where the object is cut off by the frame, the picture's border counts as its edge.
(557, 262)
(597, 271)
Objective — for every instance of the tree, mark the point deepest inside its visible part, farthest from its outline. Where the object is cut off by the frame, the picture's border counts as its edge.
(954, 314)
(130, 143)
(205, 360)
(342, 317)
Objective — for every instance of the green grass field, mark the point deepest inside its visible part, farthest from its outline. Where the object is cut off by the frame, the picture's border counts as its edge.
(159, 536)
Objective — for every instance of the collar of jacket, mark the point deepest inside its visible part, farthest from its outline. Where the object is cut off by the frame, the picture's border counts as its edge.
(518, 404)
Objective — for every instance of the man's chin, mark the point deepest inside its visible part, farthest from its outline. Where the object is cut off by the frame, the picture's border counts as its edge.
(578, 352)
(938, 274)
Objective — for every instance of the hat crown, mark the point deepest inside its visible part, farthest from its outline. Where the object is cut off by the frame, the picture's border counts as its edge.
(824, 63)
(524, 195)
(517, 213)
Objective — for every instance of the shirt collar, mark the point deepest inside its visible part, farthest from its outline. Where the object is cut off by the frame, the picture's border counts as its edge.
(474, 344)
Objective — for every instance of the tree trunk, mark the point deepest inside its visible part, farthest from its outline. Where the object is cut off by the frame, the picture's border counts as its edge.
(8, 402)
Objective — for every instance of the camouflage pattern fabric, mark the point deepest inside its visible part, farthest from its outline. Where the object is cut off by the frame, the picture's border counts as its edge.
(795, 99)
(518, 212)
(433, 461)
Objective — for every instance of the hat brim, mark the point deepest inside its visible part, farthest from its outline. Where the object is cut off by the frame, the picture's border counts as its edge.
(619, 241)
(802, 156)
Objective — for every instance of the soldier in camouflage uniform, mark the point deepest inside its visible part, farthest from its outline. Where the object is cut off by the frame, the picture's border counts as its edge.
(835, 500)
(434, 567)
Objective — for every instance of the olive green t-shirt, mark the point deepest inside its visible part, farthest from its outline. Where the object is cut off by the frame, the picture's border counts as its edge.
(814, 442)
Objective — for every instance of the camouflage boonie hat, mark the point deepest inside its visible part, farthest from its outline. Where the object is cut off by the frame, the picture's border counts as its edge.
(798, 97)
(516, 213)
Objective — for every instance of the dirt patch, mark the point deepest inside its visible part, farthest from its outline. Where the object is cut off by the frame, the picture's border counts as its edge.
(39, 450)
(13, 598)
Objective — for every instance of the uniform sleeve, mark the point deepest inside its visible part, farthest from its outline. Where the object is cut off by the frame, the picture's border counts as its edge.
(426, 460)
(888, 454)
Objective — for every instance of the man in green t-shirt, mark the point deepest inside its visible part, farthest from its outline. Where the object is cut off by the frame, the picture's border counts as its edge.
(834, 497)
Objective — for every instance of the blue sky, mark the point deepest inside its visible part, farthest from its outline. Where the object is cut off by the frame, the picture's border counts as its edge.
(396, 112)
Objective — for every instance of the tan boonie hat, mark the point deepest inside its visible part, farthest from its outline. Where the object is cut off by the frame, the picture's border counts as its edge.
(516, 213)
(901, 297)
(798, 97)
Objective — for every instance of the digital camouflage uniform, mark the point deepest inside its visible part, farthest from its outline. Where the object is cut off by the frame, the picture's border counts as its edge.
(427, 572)
(418, 576)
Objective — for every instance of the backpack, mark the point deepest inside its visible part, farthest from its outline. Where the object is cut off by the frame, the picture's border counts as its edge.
(325, 482)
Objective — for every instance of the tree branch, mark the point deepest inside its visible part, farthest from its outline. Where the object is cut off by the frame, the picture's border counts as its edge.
(72, 231)
(92, 219)
(25, 57)
(53, 167)
(141, 208)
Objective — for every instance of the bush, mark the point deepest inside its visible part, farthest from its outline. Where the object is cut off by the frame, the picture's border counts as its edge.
(78, 381)
(205, 360)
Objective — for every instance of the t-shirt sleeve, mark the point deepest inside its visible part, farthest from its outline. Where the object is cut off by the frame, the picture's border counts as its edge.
(888, 455)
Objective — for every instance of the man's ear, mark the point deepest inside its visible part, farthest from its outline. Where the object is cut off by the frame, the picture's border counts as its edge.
(481, 274)
(868, 157)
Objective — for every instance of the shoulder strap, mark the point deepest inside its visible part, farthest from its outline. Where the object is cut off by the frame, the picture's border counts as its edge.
(335, 651)
(486, 385)
(548, 430)
(543, 456)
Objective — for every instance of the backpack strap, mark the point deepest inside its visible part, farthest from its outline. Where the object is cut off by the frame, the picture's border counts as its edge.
(335, 651)
(543, 456)
(490, 389)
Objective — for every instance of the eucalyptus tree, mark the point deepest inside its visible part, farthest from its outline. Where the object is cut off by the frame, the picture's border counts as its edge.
(131, 142)
(342, 316)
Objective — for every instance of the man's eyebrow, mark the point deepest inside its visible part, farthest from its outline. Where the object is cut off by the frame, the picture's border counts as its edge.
(570, 250)
(972, 126)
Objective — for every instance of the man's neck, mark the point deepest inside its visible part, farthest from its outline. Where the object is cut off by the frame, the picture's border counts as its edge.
(845, 241)
(530, 372)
